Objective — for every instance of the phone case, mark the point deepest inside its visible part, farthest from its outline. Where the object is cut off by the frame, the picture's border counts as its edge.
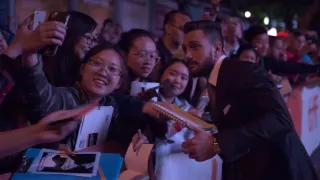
(55, 16)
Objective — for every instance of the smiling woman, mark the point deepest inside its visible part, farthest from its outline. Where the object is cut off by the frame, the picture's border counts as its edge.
(63, 68)
(102, 72)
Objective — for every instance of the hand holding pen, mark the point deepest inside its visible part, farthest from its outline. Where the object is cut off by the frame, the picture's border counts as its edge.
(138, 140)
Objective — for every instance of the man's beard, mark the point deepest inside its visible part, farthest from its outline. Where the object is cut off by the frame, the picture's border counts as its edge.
(206, 68)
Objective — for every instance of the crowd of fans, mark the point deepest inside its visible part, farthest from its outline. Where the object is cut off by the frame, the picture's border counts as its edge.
(91, 67)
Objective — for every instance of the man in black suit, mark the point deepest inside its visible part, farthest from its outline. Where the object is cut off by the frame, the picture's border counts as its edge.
(256, 138)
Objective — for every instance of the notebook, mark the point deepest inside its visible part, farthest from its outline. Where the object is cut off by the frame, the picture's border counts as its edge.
(137, 163)
(110, 163)
(175, 113)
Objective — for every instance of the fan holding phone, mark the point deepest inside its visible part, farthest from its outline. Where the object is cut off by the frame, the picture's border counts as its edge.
(40, 16)
(29, 41)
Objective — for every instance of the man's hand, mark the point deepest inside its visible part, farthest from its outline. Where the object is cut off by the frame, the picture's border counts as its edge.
(201, 147)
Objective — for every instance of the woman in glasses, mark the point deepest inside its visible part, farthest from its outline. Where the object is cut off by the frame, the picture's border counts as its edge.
(62, 69)
(141, 53)
(102, 71)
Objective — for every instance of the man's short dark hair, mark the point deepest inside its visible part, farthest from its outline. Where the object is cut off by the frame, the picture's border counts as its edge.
(209, 28)
(169, 17)
(253, 32)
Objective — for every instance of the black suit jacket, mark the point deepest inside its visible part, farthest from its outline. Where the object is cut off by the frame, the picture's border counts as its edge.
(256, 134)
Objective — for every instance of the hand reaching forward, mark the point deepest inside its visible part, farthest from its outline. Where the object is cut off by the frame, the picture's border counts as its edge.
(30, 41)
(53, 128)
(201, 147)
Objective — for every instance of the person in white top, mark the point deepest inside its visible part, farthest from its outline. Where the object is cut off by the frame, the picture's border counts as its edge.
(171, 163)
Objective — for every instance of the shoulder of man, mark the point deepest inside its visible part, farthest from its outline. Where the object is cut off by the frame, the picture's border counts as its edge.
(244, 73)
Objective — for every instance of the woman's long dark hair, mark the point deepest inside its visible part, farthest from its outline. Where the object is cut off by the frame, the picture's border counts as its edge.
(186, 94)
(63, 68)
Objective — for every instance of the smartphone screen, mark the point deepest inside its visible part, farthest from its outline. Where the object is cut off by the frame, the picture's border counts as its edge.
(55, 16)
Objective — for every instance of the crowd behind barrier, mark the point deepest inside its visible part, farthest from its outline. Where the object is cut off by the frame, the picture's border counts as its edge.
(303, 104)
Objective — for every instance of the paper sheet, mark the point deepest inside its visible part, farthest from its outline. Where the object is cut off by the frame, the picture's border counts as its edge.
(94, 127)
(180, 166)
(138, 87)
(55, 162)
(138, 162)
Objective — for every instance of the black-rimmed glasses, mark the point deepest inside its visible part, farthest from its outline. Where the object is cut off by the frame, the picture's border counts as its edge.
(91, 40)
(147, 55)
(111, 69)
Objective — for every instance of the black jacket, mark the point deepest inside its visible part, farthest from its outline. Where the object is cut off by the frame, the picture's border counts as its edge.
(287, 67)
(256, 136)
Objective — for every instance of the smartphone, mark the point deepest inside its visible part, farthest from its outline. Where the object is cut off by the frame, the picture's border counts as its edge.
(38, 18)
(55, 16)
(203, 101)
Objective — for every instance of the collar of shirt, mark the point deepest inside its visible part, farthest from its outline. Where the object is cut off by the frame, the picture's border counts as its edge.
(215, 71)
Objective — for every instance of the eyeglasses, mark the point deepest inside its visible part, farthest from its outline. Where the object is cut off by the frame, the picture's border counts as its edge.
(90, 40)
(147, 55)
(111, 69)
